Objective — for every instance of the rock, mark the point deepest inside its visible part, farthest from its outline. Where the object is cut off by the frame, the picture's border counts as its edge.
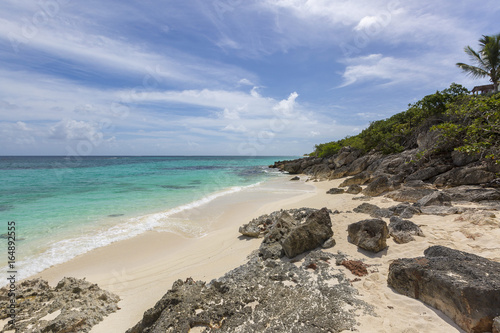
(472, 193)
(359, 165)
(441, 210)
(295, 229)
(77, 304)
(359, 179)
(335, 191)
(435, 199)
(309, 235)
(363, 198)
(271, 247)
(366, 208)
(354, 189)
(461, 159)
(429, 172)
(409, 194)
(260, 296)
(405, 210)
(465, 176)
(379, 185)
(373, 210)
(337, 173)
(463, 286)
(402, 231)
(329, 243)
(370, 235)
(346, 156)
(295, 178)
(496, 325)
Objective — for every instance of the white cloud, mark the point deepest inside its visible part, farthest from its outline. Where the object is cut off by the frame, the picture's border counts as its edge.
(245, 82)
(286, 106)
(75, 130)
(391, 70)
(235, 128)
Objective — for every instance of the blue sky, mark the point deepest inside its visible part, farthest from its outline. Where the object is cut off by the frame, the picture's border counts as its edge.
(221, 77)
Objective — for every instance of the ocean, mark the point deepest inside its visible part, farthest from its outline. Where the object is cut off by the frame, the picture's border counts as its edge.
(65, 206)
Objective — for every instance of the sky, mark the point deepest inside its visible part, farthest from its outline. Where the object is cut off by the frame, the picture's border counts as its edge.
(221, 77)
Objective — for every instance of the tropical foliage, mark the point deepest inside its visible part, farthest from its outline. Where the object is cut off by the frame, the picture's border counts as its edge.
(486, 60)
(473, 126)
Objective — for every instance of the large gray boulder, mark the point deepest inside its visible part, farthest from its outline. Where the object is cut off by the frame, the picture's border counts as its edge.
(369, 234)
(291, 232)
(463, 286)
(307, 236)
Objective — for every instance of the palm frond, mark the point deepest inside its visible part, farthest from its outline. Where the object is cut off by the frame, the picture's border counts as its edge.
(473, 71)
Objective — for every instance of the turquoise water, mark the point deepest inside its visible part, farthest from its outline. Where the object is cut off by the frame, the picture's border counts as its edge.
(65, 206)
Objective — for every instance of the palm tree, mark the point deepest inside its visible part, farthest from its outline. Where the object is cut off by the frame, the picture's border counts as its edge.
(487, 60)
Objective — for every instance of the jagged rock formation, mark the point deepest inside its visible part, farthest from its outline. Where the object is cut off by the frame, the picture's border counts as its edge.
(291, 232)
(260, 296)
(74, 305)
(464, 286)
(402, 231)
(370, 234)
(403, 176)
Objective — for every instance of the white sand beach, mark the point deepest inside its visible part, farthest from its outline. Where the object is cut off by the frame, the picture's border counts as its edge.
(141, 269)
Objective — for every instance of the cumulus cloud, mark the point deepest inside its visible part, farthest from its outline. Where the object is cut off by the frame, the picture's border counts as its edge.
(286, 106)
(75, 130)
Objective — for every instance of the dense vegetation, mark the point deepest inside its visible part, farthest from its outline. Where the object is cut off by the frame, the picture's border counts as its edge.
(468, 123)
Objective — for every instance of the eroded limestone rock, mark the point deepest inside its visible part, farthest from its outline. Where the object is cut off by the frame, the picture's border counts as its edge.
(74, 305)
(370, 234)
(260, 296)
(464, 286)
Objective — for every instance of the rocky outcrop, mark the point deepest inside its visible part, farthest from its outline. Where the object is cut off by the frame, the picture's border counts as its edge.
(74, 305)
(335, 191)
(464, 286)
(291, 232)
(380, 184)
(260, 296)
(359, 179)
(465, 176)
(385, 173)
(435, 199)
(354, 189)
(370, 234)
(402, 231)
(473, 193)
(409, 194)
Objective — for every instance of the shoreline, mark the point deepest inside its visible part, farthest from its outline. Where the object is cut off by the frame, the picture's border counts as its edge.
(142, 269)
